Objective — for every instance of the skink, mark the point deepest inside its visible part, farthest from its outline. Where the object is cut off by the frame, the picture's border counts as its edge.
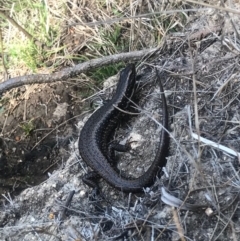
(98, 130)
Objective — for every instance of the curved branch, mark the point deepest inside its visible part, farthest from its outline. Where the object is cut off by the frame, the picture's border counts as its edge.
(73, 71)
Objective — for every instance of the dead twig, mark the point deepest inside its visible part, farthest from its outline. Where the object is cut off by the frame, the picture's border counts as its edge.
(66, 205)
(74, 71)
(14, 23)
(144, 15)
(3, 59)
(230, 10)
(178, 224)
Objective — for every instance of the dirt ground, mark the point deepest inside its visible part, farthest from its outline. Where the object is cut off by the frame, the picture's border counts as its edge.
(197, 197)
(38, 124)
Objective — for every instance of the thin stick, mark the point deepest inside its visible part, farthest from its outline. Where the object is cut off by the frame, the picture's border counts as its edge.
(230, 10)
(74, 71)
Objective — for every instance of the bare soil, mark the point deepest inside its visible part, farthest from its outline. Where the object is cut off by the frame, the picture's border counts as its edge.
(38, 124)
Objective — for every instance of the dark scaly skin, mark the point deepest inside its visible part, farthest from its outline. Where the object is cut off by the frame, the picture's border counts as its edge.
(98, 129)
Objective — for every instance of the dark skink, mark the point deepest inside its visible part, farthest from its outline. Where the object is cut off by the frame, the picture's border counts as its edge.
(98, 130)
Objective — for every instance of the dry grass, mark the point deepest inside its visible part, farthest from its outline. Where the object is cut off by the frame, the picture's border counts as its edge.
(62, 31)
(201, 65)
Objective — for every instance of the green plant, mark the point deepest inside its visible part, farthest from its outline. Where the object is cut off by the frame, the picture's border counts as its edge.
(113, 39)
(23, 53)
(28, 127)
(101, 74)
(28, 43)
